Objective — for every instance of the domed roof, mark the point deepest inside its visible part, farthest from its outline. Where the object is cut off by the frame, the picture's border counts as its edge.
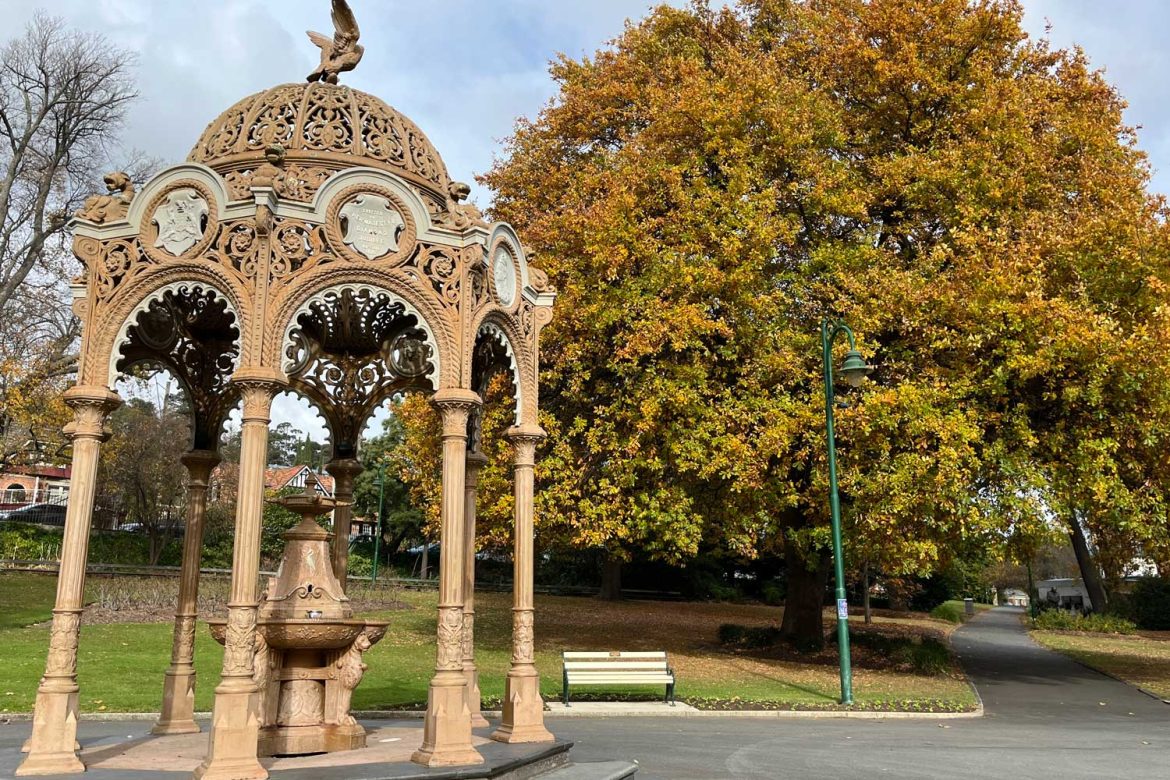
(323, 125)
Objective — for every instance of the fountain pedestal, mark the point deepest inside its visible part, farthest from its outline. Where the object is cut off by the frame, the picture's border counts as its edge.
(309, 646)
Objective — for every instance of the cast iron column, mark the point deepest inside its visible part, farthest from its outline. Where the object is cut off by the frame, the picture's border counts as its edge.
(447, 728)
(52, 747)
(523, 716)
(178, 706)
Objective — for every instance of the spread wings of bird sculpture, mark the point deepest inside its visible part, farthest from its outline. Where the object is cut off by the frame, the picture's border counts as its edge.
(341, 52)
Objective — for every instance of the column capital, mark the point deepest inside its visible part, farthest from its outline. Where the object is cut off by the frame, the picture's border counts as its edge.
(200, 464)
(524, 439)
(257, 389)
(455, 405)
(91, 404)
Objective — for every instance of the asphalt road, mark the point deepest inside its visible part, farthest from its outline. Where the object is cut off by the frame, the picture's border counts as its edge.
(1046, 717)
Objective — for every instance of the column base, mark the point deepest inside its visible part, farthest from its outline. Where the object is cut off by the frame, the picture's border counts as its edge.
(60, 763)
(233, 741)
(447, 728)
(471, 674)
(52, 748)
(523, 716)
(178, 705)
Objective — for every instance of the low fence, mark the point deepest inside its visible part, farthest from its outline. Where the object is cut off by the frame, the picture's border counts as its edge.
(407, 583)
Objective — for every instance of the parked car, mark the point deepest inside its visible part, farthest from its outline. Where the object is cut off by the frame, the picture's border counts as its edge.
(44, 514)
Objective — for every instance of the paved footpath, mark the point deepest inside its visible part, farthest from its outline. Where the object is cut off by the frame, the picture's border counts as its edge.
(1046, 717)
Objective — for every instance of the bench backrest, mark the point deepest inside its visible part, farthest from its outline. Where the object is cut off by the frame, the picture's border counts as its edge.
(615, 661)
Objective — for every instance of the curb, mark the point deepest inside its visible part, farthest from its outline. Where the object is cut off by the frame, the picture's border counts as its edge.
(22, 717)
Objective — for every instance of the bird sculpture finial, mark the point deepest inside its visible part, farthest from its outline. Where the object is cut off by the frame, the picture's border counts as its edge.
(341, 52)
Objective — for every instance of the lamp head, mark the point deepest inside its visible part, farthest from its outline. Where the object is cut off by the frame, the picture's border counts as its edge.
(854, 370)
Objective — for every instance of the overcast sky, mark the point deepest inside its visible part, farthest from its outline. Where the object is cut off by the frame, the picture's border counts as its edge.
(463, 71)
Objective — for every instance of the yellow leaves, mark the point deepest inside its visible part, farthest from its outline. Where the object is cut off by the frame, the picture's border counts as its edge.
(706, 189)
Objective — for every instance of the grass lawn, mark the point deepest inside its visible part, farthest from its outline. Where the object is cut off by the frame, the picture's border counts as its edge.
(121, 664)
(1139, 660)
(25, 599)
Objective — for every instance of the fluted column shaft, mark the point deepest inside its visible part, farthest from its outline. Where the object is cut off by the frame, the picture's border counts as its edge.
(447, 728)
(178, 707)
(523, 711)
(235, 720)
(475, 462)
(343, 471)
(52, 746)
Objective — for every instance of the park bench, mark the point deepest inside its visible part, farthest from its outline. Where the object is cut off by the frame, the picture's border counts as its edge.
(617, 668)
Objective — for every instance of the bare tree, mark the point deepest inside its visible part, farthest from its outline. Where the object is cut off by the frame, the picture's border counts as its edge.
(63, 98)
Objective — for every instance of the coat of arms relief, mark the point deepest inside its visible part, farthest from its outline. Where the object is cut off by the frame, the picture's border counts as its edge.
(180, 220)
(372, 225)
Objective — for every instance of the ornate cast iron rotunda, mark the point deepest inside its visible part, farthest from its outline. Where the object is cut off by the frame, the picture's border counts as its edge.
(314, 242)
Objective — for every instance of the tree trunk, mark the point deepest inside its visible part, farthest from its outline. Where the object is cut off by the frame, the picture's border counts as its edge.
(804, 620)
(426, 569)
(611, 579)
(1089, 571)
(865, 593)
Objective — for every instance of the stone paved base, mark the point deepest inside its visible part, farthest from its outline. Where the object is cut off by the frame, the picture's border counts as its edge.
(183, 752)
(126, 750)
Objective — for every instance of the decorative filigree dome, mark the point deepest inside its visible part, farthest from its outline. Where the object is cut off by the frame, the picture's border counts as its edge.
(322, 127)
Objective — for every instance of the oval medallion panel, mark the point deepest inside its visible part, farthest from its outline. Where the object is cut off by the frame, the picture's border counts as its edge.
(504, 277)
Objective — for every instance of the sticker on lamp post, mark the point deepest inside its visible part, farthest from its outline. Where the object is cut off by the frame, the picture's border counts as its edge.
(842, 609)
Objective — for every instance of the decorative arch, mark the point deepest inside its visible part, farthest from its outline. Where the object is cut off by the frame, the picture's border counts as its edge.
(157, 296)
(352, 178)
(350, 347)
(432, 319)
(291, 323)
(179, 174)
(505, 234)
(193, 332)
(493, 351)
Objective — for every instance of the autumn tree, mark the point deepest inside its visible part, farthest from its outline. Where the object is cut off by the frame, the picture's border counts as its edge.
(707, 189)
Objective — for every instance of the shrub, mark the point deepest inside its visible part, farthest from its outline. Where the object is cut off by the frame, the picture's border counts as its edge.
(731, 634)
(752, 637)
(949, 611)
(773, 593)
(923, 655)
(1096, 622)
(1149, 603)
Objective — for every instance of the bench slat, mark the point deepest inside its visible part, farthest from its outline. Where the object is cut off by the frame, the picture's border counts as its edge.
(617, 678)
(621, 655)
(615, 666)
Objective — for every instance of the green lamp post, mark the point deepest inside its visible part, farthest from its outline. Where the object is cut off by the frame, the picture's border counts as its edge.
(378, 526)
(853, 370)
